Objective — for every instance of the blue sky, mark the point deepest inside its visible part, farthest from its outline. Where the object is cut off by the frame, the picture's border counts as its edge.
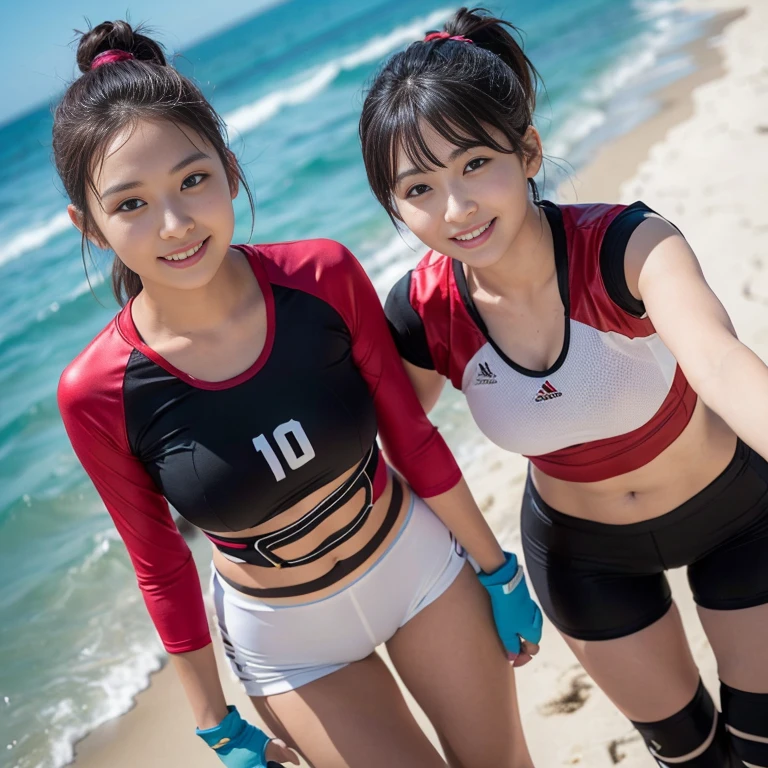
(37, 61)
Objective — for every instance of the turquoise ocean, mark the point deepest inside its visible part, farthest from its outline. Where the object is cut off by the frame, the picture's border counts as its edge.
(76, 644)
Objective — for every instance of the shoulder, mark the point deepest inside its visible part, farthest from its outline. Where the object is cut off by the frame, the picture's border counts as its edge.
(93, 382)
(306, 262)
(430, 281)
(324, 269)
(610, 226)
(421, 291)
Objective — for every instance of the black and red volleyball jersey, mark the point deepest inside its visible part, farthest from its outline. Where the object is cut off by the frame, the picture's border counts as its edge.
(613, 400)
(231, 454)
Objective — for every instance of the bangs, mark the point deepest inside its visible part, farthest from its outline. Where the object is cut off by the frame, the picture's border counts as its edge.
(462, 129)
(462, 116)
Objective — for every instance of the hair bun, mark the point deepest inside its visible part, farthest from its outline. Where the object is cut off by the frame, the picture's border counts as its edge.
(497, 36)
(120, 36)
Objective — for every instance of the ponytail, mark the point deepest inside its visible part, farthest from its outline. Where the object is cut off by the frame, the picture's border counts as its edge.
(490, 33)
(125, 78)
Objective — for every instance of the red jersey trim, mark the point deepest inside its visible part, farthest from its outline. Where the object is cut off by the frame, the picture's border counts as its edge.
(613, 456)
(128, 331)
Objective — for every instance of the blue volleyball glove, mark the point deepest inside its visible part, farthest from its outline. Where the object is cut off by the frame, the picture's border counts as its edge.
(514, 611)
(237, 743)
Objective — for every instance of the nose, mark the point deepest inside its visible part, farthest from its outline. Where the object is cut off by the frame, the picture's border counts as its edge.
(176, 222)
(459, 206)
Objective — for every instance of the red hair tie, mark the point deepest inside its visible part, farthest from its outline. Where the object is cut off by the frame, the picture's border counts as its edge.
(110, 57)
(445, 36)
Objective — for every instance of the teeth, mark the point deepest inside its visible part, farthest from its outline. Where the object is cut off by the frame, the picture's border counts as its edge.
(475, 233)
(185, 255)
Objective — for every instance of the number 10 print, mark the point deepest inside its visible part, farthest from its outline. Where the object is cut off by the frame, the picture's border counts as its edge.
(280, 433)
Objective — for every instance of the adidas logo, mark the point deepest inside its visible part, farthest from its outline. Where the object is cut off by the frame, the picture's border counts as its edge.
(547, 392)
(485, 375)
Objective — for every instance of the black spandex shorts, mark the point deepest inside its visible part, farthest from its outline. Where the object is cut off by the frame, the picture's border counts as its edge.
(597, 581)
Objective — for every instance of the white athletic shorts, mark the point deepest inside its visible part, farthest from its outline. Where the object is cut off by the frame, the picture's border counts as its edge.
(276, 649)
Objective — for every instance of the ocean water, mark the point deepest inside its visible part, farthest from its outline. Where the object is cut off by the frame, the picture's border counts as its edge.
(75, 641)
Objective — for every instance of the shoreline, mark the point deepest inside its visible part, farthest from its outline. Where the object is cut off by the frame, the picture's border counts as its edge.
(555, 693)
(620, 159)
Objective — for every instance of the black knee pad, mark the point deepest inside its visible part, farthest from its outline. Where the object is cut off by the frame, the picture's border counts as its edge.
(695, 737)
(746, 719)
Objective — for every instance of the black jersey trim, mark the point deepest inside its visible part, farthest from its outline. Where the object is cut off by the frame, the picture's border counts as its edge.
(343, 567)
(612, 253)
(406, 325)
(555, 219)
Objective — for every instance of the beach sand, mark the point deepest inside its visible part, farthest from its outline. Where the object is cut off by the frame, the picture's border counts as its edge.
(700, 161)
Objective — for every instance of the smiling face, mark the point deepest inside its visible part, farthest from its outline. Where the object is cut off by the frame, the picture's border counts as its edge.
(472, 209)
(164, 204)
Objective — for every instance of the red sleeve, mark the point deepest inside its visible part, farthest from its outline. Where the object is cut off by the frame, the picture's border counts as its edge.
(329, 271)
(90, 399)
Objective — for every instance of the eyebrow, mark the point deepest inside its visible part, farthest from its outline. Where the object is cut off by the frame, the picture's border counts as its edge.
(416, 171)
(194, 157)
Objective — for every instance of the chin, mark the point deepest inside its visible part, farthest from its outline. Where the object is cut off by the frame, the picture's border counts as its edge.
(476, 260)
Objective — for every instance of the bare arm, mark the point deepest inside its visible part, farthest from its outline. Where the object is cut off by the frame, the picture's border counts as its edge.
(457, 508)
(427, 383)
(200, 678)
(664, 272)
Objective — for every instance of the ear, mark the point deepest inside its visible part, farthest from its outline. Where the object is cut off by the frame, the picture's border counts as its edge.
(232, 174)
(76, 217)
(534, 152)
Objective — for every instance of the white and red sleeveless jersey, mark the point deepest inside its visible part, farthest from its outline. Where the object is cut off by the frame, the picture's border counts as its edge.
(613, 400)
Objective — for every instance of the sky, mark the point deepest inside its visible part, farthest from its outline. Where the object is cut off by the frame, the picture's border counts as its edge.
(36, 35)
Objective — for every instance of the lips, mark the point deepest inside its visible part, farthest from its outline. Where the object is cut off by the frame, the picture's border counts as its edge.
(182, 255)
(474, 238)
(188, 258)
(474, 233)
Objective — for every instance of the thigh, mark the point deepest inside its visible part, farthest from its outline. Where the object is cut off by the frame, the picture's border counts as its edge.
(730, 586)
(593, 581)
(451, 659)
(649, 675)
(353, 718)
(739, 640)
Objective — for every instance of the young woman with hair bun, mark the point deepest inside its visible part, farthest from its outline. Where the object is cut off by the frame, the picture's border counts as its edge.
(246, 385)
(586, 338)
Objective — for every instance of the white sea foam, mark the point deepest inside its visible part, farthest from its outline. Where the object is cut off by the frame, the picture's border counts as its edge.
(70, 722)
(34, 237)
(313, 82)
(389, 263)
(642, 56)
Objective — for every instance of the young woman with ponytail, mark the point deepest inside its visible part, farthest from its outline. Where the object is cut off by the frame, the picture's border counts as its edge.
(246, 386)
(586, 338)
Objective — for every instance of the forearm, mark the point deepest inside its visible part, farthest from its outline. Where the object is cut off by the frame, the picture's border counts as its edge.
(459, 512)
(738, 392)
(200, 678)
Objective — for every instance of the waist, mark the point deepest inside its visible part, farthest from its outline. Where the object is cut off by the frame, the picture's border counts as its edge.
(697, 456)
(370, 532)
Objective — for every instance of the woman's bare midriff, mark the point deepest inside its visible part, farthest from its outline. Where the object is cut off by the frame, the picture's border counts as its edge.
(701, 453)
(267, 578)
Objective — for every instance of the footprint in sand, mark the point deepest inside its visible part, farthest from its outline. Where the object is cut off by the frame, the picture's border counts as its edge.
(613, 747)
(575, 697)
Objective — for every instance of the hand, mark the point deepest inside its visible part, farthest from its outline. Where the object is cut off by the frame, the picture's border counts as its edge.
(277, 753)
(239, 744)
(518, 618)
(527, 652)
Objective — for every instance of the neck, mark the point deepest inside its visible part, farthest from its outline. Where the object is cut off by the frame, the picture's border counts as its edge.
(198, 311)
(528, 264)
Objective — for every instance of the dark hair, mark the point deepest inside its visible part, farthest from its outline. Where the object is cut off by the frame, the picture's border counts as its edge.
(114, 95)
(456, 87)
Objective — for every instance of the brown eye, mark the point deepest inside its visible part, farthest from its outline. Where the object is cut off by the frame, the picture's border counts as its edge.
(475, 163)
(131, 205)
(194, 180)
(417, 190)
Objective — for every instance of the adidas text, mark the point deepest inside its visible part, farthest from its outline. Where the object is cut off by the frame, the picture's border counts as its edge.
(547, 396)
